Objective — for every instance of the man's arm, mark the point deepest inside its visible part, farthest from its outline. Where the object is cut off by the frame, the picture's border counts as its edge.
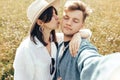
(88, 58)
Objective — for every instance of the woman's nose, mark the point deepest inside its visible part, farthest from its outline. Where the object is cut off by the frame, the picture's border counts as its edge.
(56, 17)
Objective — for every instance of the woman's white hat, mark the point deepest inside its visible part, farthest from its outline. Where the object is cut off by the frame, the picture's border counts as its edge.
(37, 8)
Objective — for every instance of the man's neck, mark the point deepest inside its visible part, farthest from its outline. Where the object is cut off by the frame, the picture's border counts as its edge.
(67, 38)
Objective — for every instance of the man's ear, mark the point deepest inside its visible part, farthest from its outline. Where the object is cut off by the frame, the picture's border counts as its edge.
(39, 22)
(82, 25)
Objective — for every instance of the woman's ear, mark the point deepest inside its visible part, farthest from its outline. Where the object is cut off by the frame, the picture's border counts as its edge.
(39, 22)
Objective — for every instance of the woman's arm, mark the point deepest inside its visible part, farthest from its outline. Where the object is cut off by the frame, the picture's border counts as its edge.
(76, 40)
(22, 69)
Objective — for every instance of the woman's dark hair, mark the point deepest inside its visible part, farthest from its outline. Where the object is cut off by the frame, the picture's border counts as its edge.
(46, 17)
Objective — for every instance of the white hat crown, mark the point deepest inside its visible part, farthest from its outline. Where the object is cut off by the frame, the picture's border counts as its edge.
(36, 9)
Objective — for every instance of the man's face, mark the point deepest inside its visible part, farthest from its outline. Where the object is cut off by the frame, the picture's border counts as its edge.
(72, 22)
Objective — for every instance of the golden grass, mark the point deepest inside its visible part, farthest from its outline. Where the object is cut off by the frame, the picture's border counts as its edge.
(14, 25)
(105, 25)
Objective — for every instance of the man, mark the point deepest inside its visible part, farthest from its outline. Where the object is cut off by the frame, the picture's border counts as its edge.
(82, 65)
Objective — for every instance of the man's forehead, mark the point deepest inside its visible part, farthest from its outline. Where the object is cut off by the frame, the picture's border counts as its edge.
(74, 13)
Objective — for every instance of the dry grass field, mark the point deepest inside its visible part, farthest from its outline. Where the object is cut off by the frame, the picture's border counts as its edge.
(104, 22)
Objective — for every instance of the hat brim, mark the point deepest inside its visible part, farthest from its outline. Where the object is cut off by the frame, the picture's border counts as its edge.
(52, 3)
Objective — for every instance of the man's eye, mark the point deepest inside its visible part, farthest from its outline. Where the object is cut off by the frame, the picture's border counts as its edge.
(76, 21)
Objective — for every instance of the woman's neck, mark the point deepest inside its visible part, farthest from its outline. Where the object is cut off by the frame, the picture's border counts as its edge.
(46, 34)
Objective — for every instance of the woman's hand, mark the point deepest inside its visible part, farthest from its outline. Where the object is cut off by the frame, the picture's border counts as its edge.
(75, 44)
(59, 78)
(76, 40)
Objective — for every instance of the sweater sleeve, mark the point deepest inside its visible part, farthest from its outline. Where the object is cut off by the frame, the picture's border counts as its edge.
(87, 60)
(23, 68)
(86, 33)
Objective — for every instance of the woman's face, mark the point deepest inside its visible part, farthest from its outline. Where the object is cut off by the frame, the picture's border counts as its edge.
(54, 23)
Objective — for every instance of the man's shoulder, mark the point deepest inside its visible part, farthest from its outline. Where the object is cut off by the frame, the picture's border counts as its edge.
(86, 44)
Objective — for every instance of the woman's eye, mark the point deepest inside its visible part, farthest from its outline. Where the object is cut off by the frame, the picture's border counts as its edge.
(65, 17)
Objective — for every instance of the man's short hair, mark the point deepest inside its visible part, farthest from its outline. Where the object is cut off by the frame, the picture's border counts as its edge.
(77, 5)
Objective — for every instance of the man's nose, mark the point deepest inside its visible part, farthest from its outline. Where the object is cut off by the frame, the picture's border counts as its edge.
(69, 22)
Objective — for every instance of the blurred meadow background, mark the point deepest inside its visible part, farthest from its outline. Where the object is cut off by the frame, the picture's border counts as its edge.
(104, 23)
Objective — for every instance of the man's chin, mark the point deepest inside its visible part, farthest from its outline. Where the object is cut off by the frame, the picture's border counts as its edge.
(68, 35)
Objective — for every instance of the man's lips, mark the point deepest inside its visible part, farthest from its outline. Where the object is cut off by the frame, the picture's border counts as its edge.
(67, 28)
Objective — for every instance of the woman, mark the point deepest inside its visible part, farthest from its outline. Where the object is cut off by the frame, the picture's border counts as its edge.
(35, 57)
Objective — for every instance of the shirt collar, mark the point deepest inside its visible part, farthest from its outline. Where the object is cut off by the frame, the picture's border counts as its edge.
(38, 43)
